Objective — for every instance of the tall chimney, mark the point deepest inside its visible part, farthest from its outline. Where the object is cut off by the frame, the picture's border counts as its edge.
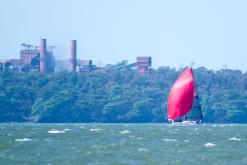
(73, 60)
(42, 63)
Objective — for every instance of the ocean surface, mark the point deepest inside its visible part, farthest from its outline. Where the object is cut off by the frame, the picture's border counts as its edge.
(122, 144)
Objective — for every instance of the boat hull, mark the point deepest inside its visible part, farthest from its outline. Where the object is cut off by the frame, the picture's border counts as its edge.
(187, 122)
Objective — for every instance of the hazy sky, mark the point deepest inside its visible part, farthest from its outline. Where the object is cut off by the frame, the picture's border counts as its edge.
(211, 33)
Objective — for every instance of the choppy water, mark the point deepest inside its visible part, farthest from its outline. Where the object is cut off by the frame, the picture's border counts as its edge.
(120, 144)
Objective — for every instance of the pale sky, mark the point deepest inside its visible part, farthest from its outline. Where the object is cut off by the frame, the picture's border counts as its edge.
(211, 33)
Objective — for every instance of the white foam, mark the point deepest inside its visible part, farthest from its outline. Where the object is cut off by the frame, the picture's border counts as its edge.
(209, 145)
(23, 140)
(132, 136)
(169, 140)
(142, 149)
(125, 132)
(139, 138)
(234, 139)
(66, 129)
(95, 129)
(53, 131)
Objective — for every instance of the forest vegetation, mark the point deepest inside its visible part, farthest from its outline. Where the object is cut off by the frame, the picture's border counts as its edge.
(117, 96)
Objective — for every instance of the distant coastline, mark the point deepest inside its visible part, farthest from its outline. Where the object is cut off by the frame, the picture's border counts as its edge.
(120, 96)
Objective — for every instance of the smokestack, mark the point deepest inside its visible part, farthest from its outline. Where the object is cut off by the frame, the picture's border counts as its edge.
(73, 60)
(42, 63)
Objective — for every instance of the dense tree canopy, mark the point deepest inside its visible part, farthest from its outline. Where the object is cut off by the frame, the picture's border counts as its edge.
(117, 95)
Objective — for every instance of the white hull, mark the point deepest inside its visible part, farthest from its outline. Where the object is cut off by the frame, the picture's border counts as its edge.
(186, 122)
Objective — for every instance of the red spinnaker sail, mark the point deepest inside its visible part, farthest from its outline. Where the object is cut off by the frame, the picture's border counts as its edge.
(181, 95)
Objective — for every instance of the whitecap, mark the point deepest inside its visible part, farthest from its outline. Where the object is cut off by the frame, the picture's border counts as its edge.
(209, 145)
(234, 139)
(139, 138)
(142, 149)
(66, 129)
(125, 132)
(95, 129)
(23, 140)
(53, 131)
(169, 140)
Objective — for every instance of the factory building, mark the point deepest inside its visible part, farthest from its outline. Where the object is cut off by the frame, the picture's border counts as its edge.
(41, 58)
(143, 63)
(14, 62)
(85, 65)
(82, 65)
(29, 58)
(61, 65)
(34, 59)
(27, 53)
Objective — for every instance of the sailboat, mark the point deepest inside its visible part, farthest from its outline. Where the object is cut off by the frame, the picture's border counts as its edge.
(183, 104)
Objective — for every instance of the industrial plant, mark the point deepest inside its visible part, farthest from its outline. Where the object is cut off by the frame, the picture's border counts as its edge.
(42, 59)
